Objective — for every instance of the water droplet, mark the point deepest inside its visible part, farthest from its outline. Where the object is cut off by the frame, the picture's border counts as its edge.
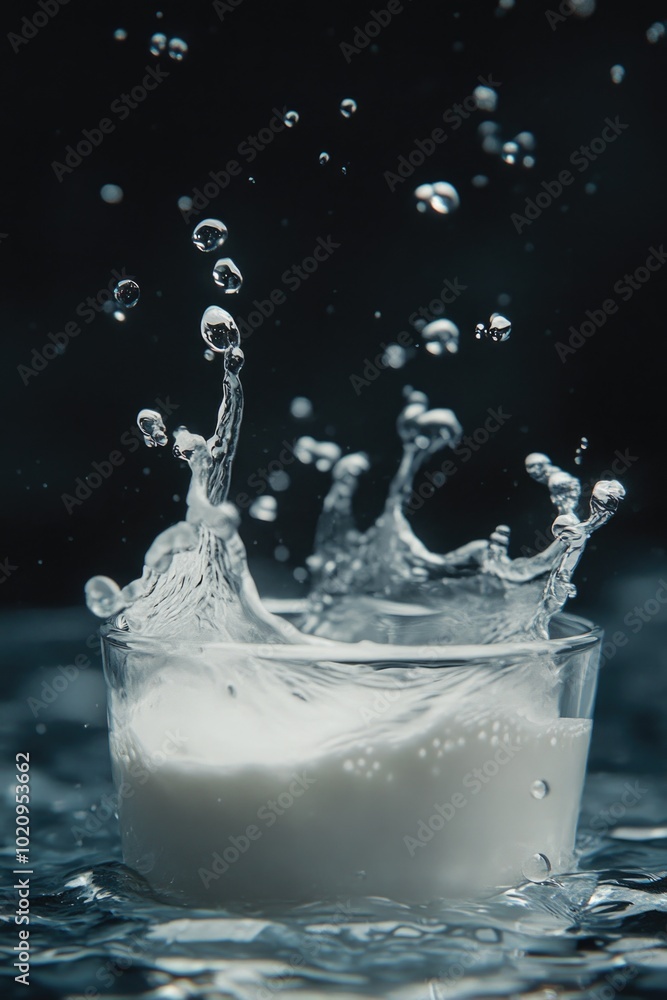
(227, 275)
(480, 331)
(500, 328)
(209, 355)
(579, 456)
(151, 425)
(486, 98)
(264, 508)
(301, 408)
(126, 293)
(209, 235)
(441, 197)
(323, 453)
(158, 43)
(394, 356)
(526, 140)
(441, 335)
(178, 49)
(119, 316)
(103, 596)
(655, 32)
(112, 194)
(291, 118)
(324, 158)
(281, 553)
(537, 868)
(539, 789)
(480, 180)
(617, 73)
(510, 152)
(120, 34)
(279, 481)
(590, 188)
(184, 203)
(219, 329)
(347, 107)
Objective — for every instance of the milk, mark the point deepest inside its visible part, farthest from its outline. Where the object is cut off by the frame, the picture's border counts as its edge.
(400, 786)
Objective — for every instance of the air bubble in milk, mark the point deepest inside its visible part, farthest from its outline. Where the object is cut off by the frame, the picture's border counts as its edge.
(291, 119)
(178, 49)
(126, 293)
(151, 425)
(441, 336)
(539, 789)
(219, 329)
(209, 235)
(264, 508)
(158, 43)
(227, 275)
(347, 107)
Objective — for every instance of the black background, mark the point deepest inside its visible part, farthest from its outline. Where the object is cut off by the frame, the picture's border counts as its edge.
(63, 241)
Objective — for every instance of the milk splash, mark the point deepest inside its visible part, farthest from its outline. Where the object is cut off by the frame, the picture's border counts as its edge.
(383, 584)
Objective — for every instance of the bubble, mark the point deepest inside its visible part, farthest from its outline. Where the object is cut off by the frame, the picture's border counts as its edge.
(264, 508)
(151, 425)
(219, 329)
(103, 596)
(120, 34)
(126, 293)
(323, 158)
(178, 49)
(441, 335)
(112, 194)
(500, 328)
(227, 276)
(301, 408)
(394, 356)
(291, 118)
(617, 73)
(158, 43)
(209, 234)
(537, 868)
(486, 98)
(441, 197)
(539, 789)
(655, 32)
(347, 107)
(281, 553)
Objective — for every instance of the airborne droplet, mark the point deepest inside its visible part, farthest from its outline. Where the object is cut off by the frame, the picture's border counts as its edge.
(291, 118)
(209, 235)
(152, 427)
(264, 508)
(324, 158)
(441, 197)
(158, 43)
(347, 107)
(441, 335)
(126, 293)
(178, 49)
(227, 275)
(500, 328)
(103, 596)
(219, 329)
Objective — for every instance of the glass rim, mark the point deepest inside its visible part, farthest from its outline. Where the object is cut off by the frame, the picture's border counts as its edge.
(584, 635)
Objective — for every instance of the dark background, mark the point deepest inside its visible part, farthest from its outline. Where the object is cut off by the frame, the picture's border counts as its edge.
(62, 242)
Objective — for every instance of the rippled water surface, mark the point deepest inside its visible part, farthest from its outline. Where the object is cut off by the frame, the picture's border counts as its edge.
(96, 927)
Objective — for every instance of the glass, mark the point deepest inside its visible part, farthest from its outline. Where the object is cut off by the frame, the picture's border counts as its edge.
(259, 772)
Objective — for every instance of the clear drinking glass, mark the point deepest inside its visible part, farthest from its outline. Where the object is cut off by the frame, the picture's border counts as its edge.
(259, 772)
